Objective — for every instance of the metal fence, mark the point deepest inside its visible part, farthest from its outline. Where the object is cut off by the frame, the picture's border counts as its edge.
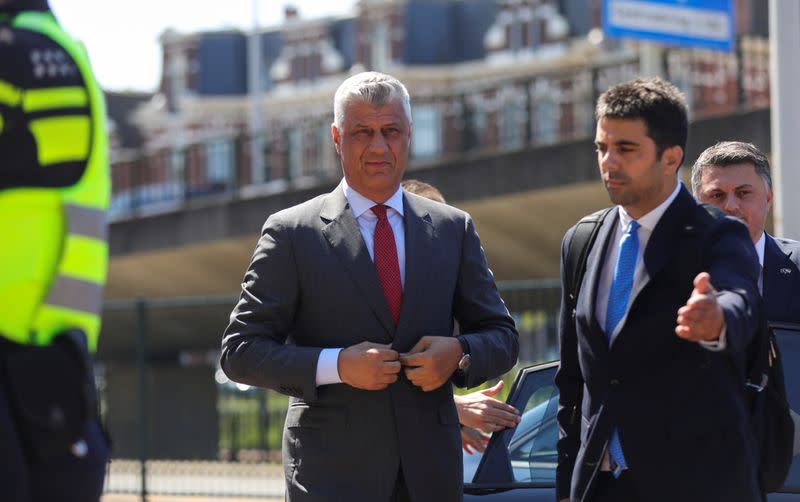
(245, 424)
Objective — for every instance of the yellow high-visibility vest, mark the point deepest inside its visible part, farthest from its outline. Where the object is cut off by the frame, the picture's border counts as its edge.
(54, 251)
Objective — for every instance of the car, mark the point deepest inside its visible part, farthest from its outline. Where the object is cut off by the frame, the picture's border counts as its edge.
(520, 463)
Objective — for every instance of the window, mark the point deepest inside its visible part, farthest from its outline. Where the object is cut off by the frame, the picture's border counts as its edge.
(427, 137)
(527, 454)
(327, 153)
(513, 128)
(219, 162)
(545, 122)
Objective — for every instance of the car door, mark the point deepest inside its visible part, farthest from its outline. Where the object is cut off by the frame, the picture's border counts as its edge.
(788, 339)
(520, 463)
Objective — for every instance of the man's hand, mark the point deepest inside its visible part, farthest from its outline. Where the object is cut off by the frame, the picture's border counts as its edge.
(432, 361)
(481, 411)
(368, 366)
(473, 440)
(701, 318)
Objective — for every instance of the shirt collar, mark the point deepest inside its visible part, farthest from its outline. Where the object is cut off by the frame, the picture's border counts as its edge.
(650, 220)
(360, 204)
(760, 247)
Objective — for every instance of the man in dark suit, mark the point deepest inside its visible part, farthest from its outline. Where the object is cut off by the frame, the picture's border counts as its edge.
(735, 177)
(652, 404)
(348, 307)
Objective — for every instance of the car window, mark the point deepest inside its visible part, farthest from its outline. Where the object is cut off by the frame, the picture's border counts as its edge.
(526, 454)
(789, 346)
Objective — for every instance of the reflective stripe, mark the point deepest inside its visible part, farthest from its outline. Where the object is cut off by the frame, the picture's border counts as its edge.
(75, 294)
(84, 258)
(61, 139)
(86, 221)
(52, 320)
(35, 100)
(9, 95)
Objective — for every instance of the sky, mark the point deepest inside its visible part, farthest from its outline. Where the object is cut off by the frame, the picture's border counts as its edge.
(122, 35)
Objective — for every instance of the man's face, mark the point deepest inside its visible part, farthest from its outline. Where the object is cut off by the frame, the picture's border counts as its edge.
(373, 146)
(633, 175)
(739, 191)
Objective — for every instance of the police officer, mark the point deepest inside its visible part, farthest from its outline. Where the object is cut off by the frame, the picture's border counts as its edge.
(54, 190)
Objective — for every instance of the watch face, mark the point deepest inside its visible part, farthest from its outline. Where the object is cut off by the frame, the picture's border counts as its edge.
(464, 363)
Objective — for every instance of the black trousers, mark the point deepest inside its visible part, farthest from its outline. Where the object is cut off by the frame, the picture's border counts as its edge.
(64, 477)
(400, 492)
(607, 488)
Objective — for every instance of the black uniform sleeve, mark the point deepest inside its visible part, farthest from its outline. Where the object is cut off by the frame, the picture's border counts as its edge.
(30, 63)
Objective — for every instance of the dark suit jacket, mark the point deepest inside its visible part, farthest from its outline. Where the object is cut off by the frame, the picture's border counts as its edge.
(781, 286)
(679, 408)
(311, 284)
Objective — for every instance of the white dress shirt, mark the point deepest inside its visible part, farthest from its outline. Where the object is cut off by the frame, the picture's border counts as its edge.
(760, 248)
(327, 364)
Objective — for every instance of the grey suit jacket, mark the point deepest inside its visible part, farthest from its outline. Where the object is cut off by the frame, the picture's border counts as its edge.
(781, 287)
(311, 284)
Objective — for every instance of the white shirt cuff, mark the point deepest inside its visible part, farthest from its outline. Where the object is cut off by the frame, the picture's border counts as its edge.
(717, 345)
(328, 367)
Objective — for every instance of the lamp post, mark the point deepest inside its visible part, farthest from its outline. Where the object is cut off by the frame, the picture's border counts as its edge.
(255, 124)
(784, 48)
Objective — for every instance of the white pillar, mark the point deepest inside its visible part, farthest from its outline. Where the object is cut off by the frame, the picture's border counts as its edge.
(784, 47)
(255, 125)
(651, 59)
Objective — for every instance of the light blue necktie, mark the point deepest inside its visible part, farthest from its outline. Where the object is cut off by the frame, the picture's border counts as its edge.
(617, 305)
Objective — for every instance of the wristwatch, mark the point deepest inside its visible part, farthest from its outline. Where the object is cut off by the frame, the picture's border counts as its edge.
(466, 358)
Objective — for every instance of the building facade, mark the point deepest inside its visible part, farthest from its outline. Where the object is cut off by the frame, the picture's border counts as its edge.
(484, 75)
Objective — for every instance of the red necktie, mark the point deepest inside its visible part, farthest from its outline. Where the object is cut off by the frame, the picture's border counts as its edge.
(386, 264)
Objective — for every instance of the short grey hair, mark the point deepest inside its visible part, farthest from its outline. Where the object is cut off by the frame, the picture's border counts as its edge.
(370, 87)
(730, 153)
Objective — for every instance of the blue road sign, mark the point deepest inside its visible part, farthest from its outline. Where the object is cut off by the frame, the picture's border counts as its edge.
(707, 24)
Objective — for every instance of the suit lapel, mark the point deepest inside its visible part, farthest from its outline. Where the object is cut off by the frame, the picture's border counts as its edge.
(594, 269)
(419, 238)
(776, 286)
(342, 232)
(672, 224)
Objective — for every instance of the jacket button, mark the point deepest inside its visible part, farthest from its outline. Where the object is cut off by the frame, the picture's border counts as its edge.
(614, 381)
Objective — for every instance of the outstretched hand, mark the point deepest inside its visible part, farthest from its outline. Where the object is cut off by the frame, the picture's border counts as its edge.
(701, 319)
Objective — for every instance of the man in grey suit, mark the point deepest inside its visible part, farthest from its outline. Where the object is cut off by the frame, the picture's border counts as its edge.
(348, 307)
(734, 177)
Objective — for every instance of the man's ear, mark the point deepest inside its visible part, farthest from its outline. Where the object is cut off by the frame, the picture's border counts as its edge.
(671, 158)
(336, 137)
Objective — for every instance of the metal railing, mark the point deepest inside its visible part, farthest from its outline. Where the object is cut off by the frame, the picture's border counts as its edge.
(487, 115)
(247, 422)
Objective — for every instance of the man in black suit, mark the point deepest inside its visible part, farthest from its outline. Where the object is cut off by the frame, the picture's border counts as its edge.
(344, 289)
(735, 177)
(652, 404)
